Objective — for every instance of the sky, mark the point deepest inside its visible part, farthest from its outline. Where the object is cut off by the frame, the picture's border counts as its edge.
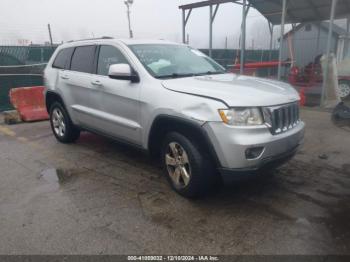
(152, 19)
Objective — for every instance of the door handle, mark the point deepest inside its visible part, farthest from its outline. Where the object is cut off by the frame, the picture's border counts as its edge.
(64, 77)
(96, 83)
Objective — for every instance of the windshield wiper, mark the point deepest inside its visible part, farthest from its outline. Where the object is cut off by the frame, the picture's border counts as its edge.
(175, 75)
(209, 73)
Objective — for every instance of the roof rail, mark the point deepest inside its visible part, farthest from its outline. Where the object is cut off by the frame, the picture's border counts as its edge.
(97, 38)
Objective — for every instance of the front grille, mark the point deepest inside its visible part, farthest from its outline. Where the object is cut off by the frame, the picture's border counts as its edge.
(281, 118)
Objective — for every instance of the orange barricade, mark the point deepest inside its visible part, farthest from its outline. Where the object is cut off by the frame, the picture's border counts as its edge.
(29, 102)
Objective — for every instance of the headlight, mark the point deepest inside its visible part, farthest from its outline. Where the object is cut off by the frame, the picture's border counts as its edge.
(241, 116)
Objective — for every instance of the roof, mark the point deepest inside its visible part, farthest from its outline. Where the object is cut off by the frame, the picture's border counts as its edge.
(337, 30)
(300, 11)
(134, 41)
(126, 41)
(206, 3)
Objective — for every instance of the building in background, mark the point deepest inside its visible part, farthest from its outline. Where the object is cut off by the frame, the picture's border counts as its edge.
(307, 41)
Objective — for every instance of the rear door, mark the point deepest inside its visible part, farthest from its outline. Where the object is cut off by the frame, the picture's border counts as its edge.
(119, 113)
(82, 94)
(61, 64)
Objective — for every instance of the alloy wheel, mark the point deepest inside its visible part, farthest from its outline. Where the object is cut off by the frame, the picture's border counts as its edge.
(178, 165)
(343, 90)
(58, 122)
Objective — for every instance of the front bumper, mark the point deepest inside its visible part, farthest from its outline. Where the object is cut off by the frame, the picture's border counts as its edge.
(230, 145)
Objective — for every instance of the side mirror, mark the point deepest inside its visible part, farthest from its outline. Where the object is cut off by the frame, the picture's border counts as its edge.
(123, 72)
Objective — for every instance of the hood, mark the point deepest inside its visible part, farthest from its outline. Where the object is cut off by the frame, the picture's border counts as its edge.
(236, 90)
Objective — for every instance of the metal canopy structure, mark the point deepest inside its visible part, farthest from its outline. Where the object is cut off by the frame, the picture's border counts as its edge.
(277, 12)
(301, 11)
(187, 10)
(205, 3)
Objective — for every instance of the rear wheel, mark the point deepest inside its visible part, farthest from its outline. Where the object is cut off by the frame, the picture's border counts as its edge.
(61, 125)
(343, 88)
(189, 169)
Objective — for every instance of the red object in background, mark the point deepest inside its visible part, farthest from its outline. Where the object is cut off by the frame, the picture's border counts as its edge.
(250, 68)
(256, 65)
(293, 75)
(29, 102)
(302, 96)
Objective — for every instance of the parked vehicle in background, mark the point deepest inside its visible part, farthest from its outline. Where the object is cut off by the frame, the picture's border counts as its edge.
(177, 103)
(343, 68)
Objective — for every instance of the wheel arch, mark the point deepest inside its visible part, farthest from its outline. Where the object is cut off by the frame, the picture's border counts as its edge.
(52, 97)
(164, 124)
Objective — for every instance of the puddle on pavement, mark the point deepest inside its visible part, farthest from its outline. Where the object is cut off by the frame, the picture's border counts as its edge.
(57, 176)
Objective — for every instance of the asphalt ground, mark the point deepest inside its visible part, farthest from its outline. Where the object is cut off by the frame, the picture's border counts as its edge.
(101, 197)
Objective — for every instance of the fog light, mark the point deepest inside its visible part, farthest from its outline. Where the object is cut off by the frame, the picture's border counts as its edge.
(253, 153)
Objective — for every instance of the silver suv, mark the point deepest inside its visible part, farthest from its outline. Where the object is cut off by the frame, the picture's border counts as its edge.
(175, 102)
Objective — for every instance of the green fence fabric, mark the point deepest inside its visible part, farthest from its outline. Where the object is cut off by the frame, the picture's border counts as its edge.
(21, 66)
(25, 55)
(227, 57)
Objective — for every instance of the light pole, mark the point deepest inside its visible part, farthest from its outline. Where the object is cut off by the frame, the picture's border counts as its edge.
(128, 3)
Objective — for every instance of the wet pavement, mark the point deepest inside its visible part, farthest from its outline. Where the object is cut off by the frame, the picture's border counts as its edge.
(101, 197)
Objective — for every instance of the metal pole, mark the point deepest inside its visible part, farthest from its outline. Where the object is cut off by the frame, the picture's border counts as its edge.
(128, 13)
(41, 54)
(328, 52)
(346, 42)
(50, 35)
(243, 32)
(183, 26)
(283, 21)
(271, 40)
(210, 30)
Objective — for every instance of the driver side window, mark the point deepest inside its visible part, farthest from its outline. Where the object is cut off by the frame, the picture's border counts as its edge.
(109, 55)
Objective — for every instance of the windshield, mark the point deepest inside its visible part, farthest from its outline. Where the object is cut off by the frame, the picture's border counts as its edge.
(172, 61)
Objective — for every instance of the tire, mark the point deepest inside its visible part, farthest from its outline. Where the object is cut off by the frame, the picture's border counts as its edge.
(341, 115)
(192, 174)
(61, 124)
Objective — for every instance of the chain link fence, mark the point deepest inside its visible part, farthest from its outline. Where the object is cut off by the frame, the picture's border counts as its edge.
(21, 66)
(227, 57)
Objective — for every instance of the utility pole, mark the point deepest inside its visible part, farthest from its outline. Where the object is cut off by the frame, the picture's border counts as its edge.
(128, 4)
(50, 35)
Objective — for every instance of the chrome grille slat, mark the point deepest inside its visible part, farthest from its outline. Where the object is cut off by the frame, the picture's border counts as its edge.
(292, 112)
(282, 118)
(290, 120)
(285, 119)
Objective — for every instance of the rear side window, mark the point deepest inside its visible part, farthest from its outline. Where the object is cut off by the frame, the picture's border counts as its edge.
(83, 59)
(62, 59)
(109, 55)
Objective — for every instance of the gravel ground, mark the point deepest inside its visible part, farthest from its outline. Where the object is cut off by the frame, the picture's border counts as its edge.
(101, 197)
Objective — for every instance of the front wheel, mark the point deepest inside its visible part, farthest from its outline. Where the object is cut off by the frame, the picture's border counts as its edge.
(189, 169)
(61, 125)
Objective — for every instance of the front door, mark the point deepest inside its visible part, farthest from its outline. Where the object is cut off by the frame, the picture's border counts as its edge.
(119, 113)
